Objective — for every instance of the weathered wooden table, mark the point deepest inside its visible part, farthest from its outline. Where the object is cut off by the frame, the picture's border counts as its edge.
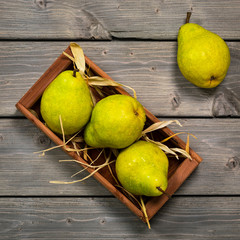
(135, 43)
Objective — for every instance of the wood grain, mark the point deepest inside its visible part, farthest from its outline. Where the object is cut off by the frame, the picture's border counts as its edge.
(41, 19)
(185, 218)
(23, 173)
(149, 67)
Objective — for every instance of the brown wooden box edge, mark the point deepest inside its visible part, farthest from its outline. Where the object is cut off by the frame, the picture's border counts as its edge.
(174, 182)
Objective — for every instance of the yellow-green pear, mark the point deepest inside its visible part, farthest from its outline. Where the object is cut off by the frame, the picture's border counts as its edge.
(203, 57)
(116, 122)
(142, 169)
(67, 96)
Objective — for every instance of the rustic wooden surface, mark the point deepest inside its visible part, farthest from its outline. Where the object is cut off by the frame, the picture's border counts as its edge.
(137, 48)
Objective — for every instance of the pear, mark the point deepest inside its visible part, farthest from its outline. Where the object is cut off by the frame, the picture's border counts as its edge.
(203, 57)
(116, 122)
(67, 96)
(142, 169)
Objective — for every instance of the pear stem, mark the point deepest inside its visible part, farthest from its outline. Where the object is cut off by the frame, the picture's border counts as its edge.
(75, 71)
(160, 189)
(188, 17)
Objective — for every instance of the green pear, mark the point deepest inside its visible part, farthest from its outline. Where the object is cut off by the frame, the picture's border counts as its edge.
(142, 169)
(203, 57)
(67, 96)
(116, 122)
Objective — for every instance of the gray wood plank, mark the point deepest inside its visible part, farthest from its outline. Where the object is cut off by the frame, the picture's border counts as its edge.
(23, 173)
(106, 218)
(149, 67)
(41, 19)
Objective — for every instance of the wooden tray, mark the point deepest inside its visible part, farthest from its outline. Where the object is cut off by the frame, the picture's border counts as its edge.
(179, 170)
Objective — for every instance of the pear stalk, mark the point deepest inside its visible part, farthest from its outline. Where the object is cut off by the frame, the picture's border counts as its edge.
(75, 71)
(160, 189)
(188, 17)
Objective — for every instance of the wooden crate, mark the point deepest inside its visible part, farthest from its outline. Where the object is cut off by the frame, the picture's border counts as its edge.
(179, 170)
